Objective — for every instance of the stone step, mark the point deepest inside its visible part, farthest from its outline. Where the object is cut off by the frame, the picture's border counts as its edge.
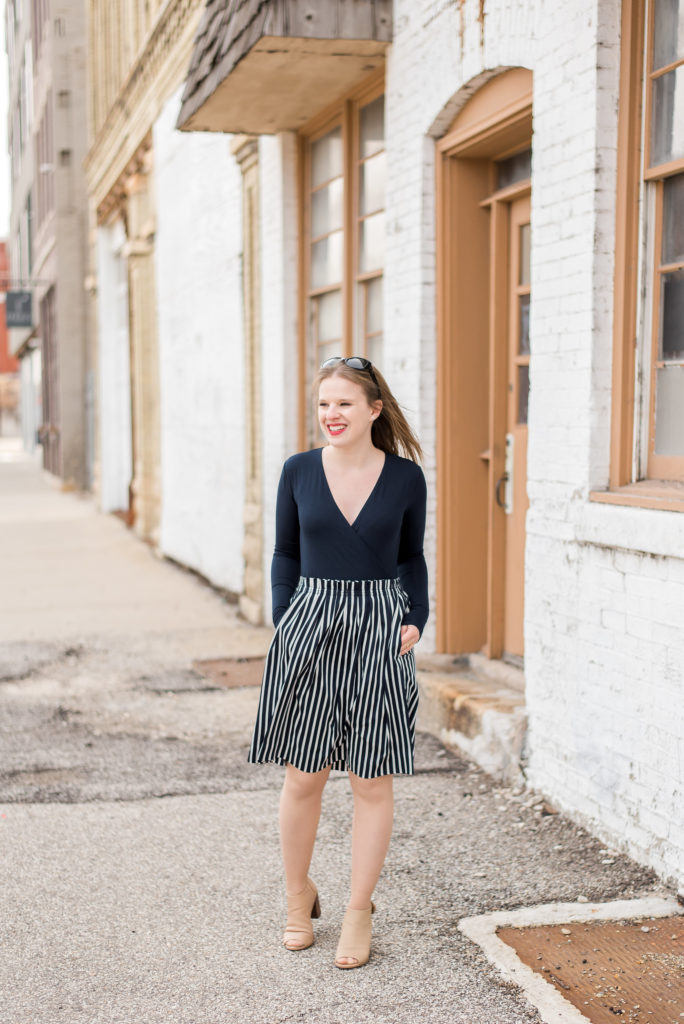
(477, 706)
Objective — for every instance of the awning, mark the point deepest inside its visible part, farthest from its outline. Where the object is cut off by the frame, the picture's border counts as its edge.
(265, 66)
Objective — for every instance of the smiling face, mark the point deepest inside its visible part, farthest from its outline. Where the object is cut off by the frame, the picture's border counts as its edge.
(344, 414)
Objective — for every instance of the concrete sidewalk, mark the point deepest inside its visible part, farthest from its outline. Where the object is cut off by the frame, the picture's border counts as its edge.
(139, 859)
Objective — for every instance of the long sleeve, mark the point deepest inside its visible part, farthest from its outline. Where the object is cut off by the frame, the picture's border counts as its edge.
(412, 568)
(286, 557)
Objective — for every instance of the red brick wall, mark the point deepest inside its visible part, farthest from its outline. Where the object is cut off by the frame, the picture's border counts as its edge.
(8, 364)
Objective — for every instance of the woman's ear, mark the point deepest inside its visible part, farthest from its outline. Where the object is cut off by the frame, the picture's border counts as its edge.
(377, 408)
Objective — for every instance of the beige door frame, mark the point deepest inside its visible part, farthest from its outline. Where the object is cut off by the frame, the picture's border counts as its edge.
(472, 378)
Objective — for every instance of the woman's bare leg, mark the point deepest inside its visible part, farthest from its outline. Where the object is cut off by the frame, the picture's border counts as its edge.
(371, 833)
(300, 809)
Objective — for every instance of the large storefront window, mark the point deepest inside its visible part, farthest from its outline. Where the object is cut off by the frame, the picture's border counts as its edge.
(648, 398)
(665, 175)
(343, 228)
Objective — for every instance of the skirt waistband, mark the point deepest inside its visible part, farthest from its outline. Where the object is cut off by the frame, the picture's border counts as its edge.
(355, 586)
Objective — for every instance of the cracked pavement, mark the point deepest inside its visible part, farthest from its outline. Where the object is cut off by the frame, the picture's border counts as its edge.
(139, 857)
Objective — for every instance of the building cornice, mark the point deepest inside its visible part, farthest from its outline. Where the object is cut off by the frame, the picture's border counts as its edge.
(158, 71)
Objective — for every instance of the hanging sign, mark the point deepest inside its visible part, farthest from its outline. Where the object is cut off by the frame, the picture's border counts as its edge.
(19, 308)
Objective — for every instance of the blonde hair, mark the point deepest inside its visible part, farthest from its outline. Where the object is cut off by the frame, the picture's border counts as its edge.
(390, 431)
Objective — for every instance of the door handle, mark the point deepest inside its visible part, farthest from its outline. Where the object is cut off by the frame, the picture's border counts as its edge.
(499, 500)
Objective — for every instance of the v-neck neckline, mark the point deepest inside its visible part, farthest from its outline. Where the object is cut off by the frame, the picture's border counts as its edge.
(366, 502)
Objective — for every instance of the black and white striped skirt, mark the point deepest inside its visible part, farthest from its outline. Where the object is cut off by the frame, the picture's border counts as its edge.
(336, 692)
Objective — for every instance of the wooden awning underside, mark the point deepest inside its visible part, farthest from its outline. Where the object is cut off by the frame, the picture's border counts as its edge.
(264, 66)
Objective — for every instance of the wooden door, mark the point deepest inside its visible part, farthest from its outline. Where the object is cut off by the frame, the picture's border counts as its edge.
(518, 369)
(483, 189)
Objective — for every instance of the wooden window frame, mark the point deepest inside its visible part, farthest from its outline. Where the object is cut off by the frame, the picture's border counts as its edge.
(663, 484)
(344, 112)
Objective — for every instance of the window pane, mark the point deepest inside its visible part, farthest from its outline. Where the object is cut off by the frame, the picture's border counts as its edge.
(326, 208)
(373, 184)
(374, 350)
(329, 312)
(668, 44)
(515, 168)
(524, 325)
(372, 243)
(524, 254)
(672, 316)
(667, 141)
(368, 312)
(673, 219)
(328, 351)
(326, 157)
(669, 425)
(523, 392)
(372, 127)
(326, 261)
(374, 305)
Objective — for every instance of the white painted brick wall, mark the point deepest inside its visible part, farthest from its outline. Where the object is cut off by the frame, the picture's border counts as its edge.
(198, 248)
(604, 658)
(279, 282)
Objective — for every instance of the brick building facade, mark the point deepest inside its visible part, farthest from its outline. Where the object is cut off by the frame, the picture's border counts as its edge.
(505, 255)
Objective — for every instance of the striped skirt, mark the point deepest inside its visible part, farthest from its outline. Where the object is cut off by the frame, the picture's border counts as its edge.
(336, 692)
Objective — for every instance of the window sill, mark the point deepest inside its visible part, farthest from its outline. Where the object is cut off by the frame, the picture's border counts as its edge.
(658, 494)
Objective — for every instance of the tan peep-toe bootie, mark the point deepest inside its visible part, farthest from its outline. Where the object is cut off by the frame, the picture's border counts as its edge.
(300, 909)
(355, 938)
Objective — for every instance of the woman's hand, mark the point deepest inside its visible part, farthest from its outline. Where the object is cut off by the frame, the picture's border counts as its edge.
(409, 638)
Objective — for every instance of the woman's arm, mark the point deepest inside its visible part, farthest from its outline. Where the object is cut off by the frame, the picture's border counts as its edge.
(412, 567)
(285, 564)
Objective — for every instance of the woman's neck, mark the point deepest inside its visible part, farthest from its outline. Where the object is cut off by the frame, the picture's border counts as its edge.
(357, 455)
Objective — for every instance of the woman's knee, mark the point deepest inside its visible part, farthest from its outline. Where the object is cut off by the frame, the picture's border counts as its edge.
(304, 785)
(372, 790)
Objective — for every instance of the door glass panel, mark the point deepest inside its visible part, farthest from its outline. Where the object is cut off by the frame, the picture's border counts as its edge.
(524, 254)
(672, 316)
(326, 208)
(673, 219)
(669, 412)
(667, 140)
(326, 261)
(326, 157)
(524, 325)
(372, 127)
(372, 243)
(515, 168)
(523, 392)
(372, 184)
(668, 35)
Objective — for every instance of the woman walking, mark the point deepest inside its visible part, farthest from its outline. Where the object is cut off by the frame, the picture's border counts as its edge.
(349, 585)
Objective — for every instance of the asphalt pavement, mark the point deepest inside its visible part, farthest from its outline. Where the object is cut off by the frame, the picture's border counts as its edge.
(139, 861)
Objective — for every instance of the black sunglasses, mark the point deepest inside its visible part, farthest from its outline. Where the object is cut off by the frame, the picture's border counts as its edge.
(355, 363)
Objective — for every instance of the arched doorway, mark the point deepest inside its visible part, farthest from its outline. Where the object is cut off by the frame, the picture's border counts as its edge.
(483, 262)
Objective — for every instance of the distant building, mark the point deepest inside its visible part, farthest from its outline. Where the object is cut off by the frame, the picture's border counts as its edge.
(167, 276)
(47, 136)
(8, 362)
(9, 365)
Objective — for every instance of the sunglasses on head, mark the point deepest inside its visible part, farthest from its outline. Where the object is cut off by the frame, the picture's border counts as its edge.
(355, 363)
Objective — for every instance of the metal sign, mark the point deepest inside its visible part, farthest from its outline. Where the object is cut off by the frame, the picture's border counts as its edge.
(19, 309)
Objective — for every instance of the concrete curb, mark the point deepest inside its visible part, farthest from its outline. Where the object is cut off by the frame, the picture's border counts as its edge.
(552, 1007)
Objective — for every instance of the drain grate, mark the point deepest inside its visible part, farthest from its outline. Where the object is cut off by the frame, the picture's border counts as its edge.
(232, 672)
(631, 971)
